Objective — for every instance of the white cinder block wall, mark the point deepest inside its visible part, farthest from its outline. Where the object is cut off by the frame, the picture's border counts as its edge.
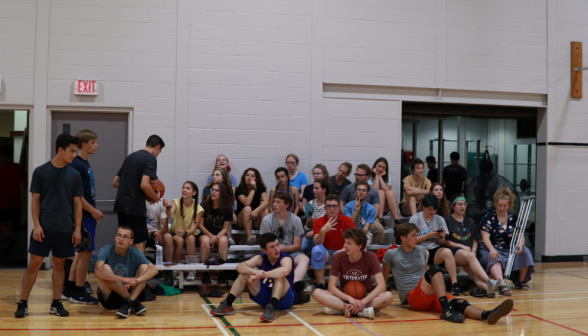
(253, 65)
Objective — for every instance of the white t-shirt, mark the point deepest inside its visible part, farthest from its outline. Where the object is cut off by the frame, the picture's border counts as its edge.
(155, 212)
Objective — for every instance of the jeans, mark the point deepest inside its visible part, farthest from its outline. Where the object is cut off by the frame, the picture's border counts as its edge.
(307, 244)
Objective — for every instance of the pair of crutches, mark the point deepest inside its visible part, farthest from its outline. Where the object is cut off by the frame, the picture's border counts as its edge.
(519, 232)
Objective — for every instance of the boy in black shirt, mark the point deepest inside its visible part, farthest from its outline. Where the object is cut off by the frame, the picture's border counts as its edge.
(56, 206)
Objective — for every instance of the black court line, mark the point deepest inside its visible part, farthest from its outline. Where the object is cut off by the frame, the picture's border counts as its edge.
(577, 276)
(222, 318)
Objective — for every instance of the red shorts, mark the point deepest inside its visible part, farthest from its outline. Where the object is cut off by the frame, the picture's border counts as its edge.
(418, 300)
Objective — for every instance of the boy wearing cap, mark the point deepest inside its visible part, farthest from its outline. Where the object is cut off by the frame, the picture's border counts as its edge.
(462, 240)
(328, 237)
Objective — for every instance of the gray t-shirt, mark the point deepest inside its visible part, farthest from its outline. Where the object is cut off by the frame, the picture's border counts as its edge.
(292, 227)
(407, 269)
(436, 223)
(348, 195)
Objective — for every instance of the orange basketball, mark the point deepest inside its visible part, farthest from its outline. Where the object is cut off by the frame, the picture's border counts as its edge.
(156, 185)
(355, 289)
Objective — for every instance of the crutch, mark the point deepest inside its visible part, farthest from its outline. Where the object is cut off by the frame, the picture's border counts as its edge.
(519, 232)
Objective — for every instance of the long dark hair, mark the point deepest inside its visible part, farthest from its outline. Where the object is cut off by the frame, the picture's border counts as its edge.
(226, 180)
(285, 171)
(443, 210)
(194, 199)
(324, 185)
(385, 177)
(226, 204)
(258, 181)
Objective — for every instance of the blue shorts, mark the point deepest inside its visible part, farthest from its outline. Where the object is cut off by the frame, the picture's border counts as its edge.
(59, 243)
(265, 295)
(88, 236)
(331, 254)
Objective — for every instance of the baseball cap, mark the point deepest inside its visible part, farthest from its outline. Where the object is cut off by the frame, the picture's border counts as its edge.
(318, 257)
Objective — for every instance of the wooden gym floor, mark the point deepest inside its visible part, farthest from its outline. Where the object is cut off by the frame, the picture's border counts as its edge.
(555, 305)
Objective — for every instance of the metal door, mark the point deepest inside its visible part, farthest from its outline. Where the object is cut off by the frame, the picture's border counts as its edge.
(112, 130)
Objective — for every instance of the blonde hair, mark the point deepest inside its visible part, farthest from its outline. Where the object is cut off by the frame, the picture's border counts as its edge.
(84, 136)
(505, 193)
(294, 156)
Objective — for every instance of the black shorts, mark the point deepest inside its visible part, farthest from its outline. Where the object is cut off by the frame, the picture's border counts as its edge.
(402, 212)
(59, 243)
(137, 223)
(114, 301)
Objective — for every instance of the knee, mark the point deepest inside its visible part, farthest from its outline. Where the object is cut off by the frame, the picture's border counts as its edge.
(178, 240)
(142, 269)
(224, 240)
(302, 260)
(387, 297)
(412, 199)
(459, 305)
(247, 210)
(204, 241)
(432, 273)
(191, 239)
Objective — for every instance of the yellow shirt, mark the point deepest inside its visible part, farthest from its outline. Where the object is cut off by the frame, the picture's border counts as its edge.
(186, 222)
(425, 184)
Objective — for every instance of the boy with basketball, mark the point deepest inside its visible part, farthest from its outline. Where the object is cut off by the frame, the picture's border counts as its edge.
(133, 184)
(269, 277)
(74, 289)
(354, 270)
(408, 265)
(56, 207)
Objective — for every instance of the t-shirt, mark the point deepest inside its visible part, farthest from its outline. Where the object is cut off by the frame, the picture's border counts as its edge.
(206, 192)
(185, 222)
(308, 193)
(368, 212)
(333, 239)
(436, 223)
(58, 187)
(231, 177)
(461, 233)
(155, 212)
(83, 167)
(214, 220)
(125, 266)
(361, 270)
(454, 176)
(299, 180)
(407, 268)
(291, 228)
(11, 177)
(348, 195)
(433, 175)
(372, 179)
(338, 188)
(317, 211)
(255, 202)
(408, 181)
(130, 198)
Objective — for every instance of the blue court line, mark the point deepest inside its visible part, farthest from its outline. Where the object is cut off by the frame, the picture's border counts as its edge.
(362, 328)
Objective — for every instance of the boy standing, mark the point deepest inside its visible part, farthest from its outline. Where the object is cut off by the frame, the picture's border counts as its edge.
(56, 206)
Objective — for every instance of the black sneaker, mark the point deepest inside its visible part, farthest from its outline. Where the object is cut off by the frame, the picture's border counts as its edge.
(321, 286)
(57, 309)
(451, 315)
(168, 278)
(456, 290)
(302, 298)
(299, 286)
(206, 278)
(88, 287)
(397, 222)
(125, 310)
(139, 308)
(502, 310)
(83, 298)
(67, 293)
(223, 309)
(269, 314)
(222, 277)
(22, 310)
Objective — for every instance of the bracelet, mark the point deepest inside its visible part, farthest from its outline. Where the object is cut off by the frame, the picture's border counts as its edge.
(428, 235)
(254, 189)
(185, 233)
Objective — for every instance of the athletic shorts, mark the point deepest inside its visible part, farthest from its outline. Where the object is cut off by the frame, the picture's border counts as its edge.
(432, 254)
(202, 234)
(420, 301)
(114, 301)
(295, 254)
(59, 243)
(137, 223)
(402, 212)
(88, 236)
(265, 295)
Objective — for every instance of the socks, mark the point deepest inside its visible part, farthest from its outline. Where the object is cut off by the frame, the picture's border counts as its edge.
(487, 313)
(70, 285)
(444, 302)
(230, 299)
(56, 302)
(23, 301)
(274, 302)
(80, 289)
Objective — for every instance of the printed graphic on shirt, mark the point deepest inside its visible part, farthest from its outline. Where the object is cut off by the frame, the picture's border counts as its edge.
(462, 238)
(151, 221)
(120, 270)
(268, 282)
(428, 230)
(354, 275)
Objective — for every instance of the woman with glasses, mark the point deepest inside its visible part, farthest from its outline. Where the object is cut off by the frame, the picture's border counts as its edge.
(415, 187)
(297, 178)
(319, 172)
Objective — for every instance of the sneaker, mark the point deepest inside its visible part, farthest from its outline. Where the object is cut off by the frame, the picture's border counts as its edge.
(321, 286)
(299, 286)
(125, 310)
(139, 308)
(223, 309)
(88, 287)
(451, 315)
(67, 293)
(367, 313)
(176, 274)
(22, 310)
(502, 310)
(302, 298)
(83, 298)
(456, 290)
(206, 278)
(58, 309)
(397, 222)
(492, 285)
(168, 278)
(191, 276)
(231, 241)
(333, 311)
(222, 277)
(251, 240)
(269, 314)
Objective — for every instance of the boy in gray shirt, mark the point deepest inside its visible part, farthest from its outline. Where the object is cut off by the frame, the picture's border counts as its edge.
(407, 264)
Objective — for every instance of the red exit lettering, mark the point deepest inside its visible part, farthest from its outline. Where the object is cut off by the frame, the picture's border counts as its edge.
(85, 87)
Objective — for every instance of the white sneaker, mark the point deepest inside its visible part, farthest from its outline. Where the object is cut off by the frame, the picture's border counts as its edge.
(176, 275)
(332, 311)
(492, 285)
(231, 241)
(191, 276)
(368, 313)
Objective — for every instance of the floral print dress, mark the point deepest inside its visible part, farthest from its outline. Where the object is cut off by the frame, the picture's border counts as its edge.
(500, 233)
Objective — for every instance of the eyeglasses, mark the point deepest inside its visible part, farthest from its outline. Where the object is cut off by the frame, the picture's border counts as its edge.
(359, 175)
(290, 163)
(461, 204)
(317, 174)
(361, 191)
(123, 237)
(281, 232)
(214, 191)
(331, 206)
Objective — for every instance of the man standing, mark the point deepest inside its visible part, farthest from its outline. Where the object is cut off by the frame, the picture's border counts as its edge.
(433, 174)
(361, 212)
(288, 228)
(133, 184)
(56, 206)
(455, 178)
(74, 289)
(268, 277)
(122, 272)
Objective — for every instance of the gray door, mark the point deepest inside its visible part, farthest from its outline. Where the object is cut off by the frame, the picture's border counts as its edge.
(112, 130)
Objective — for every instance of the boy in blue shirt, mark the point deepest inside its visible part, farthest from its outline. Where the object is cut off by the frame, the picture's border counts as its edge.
(360, 211)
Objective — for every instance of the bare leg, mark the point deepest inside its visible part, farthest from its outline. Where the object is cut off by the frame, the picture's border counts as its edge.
(168, 247)
(496, 271)
(381, 301)
(140, 247)
(136, 291)
(437, 286)
(190, 242)
(72, 270)
(58, 276)
(223, 248)
(523, 273)
(409, 206)
(106, 287)
(257, 221)
(300, 267)
(178, 248)
(281, 287)
(478, 281)
(444, 255)
(204, 248)
(327, 299)
(473, 312)
(241, 282)
(380, 214)
(30, 276)
(245, 220)
(467, 259)
(82, 267)
(391, 204)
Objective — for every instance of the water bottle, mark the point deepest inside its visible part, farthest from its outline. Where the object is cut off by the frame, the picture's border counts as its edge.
(159, 255)
(239, 299)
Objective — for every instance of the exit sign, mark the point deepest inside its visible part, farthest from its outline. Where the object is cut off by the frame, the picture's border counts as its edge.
(87, 87)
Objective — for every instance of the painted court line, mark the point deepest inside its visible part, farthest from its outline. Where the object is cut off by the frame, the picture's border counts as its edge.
(304, 322)
(220, 327)
(562, 299)
(362, 328)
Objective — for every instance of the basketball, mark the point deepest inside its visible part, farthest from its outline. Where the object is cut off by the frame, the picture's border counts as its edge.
(156, 185)
(355, 289)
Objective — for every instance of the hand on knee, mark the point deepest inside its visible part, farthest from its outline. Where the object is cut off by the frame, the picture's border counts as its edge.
(247, 210)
